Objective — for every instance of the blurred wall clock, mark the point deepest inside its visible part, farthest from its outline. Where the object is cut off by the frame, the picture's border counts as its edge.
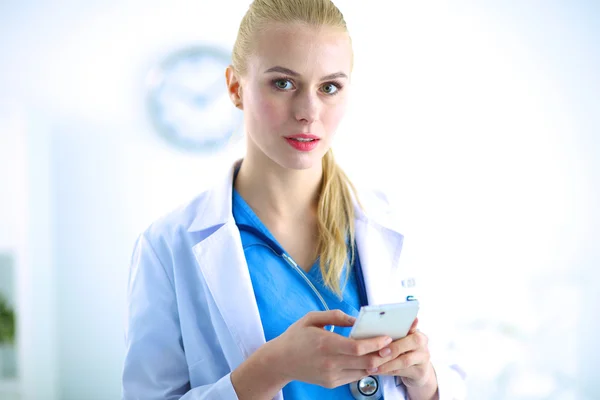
(188, 101)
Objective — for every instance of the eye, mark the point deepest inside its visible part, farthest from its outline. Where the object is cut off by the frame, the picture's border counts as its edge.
(330, 88)
(283, 84)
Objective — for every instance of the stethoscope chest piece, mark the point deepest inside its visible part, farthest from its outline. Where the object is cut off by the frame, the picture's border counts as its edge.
(366, 389)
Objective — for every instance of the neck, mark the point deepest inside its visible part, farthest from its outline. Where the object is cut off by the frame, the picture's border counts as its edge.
(277, 193)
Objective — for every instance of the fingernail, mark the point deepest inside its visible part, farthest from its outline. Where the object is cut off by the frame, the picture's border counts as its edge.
(388, 341)
(351, 319)
(385, 352)
(372, 371)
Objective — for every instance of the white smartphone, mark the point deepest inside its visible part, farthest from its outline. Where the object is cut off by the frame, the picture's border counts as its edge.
(393, 320)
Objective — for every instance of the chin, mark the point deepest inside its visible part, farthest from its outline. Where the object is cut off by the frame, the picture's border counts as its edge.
(302, 161)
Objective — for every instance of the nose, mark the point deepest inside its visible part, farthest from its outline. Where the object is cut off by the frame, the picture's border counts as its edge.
(307, 108)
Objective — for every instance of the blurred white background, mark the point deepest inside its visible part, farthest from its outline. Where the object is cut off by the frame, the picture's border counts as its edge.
(480, 119)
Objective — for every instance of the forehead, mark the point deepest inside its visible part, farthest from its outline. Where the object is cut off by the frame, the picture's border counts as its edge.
(305, 49)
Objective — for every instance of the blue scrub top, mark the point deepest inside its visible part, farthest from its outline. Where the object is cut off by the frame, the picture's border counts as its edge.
(283, 297)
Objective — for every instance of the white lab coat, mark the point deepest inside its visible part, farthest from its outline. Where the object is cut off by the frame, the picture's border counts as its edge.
(192, 315)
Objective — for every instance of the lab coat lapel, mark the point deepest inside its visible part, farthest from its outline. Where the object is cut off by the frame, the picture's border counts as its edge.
(379, 249)
(220, 257)
(223, 263)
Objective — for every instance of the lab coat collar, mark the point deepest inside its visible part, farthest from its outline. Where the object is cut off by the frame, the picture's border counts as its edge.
(216, 210)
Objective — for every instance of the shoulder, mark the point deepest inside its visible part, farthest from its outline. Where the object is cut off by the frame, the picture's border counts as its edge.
(377, 204)
(165, 247)
(171, 230)
(210, 207)
(374, 198)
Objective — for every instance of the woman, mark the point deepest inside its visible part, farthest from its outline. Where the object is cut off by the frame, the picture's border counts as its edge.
(217, 311)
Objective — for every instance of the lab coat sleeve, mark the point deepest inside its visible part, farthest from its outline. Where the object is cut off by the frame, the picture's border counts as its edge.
(449, 373)
(155, 364)
(450, 376)
(451, 384)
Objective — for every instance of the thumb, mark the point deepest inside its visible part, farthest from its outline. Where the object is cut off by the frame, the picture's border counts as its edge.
(324, 318)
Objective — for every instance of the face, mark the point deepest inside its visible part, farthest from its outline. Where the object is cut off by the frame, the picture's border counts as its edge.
(294, 93)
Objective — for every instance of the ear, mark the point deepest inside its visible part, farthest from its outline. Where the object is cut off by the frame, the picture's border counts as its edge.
(234, 87)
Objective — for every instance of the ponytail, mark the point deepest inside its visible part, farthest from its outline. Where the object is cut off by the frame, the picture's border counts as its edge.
(335, 223)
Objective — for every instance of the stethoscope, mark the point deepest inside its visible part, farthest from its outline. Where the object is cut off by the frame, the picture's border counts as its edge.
(367, 388)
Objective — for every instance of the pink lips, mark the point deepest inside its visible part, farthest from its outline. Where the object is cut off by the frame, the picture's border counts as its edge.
(303, 141)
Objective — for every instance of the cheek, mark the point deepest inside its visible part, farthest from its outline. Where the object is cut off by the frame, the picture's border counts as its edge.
(268, 110)
(333, 117)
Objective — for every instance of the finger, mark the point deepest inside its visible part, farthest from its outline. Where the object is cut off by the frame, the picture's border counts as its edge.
(367, 362)
(414, 325)
(405, 362)
(360, 347)
(408, 343)
(414, 374)
(323, 318)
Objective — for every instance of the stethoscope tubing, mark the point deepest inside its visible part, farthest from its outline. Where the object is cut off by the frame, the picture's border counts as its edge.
(356, 388)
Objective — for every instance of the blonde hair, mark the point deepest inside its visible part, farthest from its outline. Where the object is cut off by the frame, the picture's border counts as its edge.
(335, 223)
(335, 208)
(317, 13)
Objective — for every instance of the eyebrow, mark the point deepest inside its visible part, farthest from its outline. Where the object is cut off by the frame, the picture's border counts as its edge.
(288, 71)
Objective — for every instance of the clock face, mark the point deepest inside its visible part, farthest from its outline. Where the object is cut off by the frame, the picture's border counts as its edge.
(188, 100)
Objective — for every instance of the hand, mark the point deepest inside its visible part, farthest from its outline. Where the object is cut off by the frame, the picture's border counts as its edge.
(309, 353)
(410, 359)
